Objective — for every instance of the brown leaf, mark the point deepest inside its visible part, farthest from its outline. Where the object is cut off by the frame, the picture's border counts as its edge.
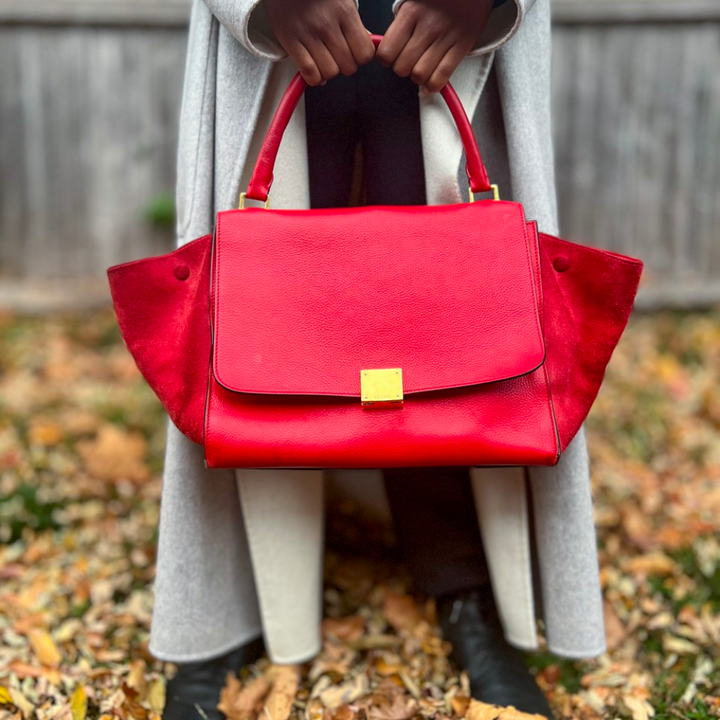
(345, 712)
(481, 711)
(401, 611)
(460, 705)
(510, 713)
(347, 628)
(243, 703)
(115, 454)
(285, 680)
(135, 709)
(401, 708)
(615, 632)
(655, 563)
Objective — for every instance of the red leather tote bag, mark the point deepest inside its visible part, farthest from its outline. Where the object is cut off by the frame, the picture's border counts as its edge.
(376, 336)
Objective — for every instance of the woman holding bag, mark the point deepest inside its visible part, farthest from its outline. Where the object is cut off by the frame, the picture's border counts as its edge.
(240, 552)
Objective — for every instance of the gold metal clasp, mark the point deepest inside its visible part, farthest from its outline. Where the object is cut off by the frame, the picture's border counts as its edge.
(381, 388)
(243, 196)
(495, 191)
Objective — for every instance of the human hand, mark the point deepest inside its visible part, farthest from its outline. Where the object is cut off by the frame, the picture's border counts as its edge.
(323, 37)
(428, 39)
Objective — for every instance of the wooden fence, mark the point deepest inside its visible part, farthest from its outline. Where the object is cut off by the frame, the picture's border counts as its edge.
(89, 97)
(637, 137)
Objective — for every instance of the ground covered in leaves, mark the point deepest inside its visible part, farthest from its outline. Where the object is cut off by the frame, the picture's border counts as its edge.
(81, 441)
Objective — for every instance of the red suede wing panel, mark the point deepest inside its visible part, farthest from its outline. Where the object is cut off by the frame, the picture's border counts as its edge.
(162, 307)
(588, 298)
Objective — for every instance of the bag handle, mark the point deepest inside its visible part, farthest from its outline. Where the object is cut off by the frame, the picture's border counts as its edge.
(262, 177)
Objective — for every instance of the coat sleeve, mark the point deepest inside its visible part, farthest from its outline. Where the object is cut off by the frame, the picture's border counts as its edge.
(247, 22)
(503, 23)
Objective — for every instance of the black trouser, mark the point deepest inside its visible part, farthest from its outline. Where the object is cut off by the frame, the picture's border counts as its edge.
(375, 110)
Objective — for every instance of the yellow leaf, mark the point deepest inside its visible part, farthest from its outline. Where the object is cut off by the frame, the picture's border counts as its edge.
(44, 647)
(78, 703)
(5, 698)
(156, 695)
(136, 678)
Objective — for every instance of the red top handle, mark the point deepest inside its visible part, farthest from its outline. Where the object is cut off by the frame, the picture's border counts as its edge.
(263, 174)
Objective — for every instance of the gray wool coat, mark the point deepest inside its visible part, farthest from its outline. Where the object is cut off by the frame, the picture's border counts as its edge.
(240, 551)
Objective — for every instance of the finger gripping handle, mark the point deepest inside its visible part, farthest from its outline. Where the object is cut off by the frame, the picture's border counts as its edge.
(262, 176)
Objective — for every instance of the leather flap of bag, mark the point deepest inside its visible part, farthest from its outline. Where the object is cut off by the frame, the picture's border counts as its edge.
(302, 301)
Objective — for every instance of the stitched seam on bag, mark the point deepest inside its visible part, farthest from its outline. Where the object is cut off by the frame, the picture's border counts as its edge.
(215, 296)
(531, 279)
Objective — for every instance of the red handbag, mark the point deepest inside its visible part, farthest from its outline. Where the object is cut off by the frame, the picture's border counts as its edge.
(376, 337)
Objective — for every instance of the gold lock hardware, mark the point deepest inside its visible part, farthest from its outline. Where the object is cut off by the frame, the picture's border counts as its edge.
(381, 388)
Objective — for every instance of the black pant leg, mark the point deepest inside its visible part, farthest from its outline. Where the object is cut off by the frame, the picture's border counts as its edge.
(332, 139)
(389, 127)
(437, 528)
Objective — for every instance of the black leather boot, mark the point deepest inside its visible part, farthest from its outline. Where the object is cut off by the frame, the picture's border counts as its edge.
(497, 673)
(193, 694)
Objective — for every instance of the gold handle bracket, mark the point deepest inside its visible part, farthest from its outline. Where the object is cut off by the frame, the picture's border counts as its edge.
(495, 191)
(243, 196)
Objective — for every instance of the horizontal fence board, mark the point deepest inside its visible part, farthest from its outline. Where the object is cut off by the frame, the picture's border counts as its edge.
(123, 12)
(619, 11)
(176, 12)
